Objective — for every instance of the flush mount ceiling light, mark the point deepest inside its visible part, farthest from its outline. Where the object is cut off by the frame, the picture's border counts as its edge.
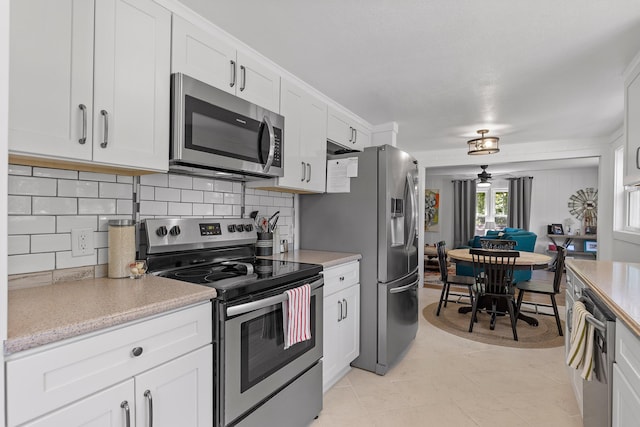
(484, 177)
(483, 145)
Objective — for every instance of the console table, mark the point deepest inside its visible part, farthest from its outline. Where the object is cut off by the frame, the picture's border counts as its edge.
(578, 240)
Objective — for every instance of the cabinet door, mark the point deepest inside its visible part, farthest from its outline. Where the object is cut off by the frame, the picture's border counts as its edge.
(178, 393)
(203, 56)
(313, 150)
(102, 409)
(132, 82)
(331, 345)
(362, 137)
(339, 129)
(51, 75)
(257, 83)
(350, 325)
(632, 131)
(626, 401)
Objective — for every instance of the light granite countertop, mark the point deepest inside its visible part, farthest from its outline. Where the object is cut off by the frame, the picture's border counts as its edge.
(45, 314)
(617, 284)
(324, 258)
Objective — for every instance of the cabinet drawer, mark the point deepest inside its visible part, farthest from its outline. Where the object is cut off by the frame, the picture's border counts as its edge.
(628, 355)
(341, 276)
(42, 381)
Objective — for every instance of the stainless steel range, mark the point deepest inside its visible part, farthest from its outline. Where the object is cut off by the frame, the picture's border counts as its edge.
(257, 382)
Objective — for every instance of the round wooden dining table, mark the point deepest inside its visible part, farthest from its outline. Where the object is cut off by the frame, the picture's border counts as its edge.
(526, 261)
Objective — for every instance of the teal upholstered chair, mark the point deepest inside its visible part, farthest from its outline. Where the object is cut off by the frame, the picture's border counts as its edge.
(525, 241)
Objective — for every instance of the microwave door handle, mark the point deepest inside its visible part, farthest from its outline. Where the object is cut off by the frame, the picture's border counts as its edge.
(272, 144)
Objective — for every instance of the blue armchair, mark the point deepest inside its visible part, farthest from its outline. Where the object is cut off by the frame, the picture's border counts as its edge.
(525, 241)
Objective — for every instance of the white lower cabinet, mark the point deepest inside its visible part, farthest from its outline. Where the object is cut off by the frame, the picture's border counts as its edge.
(341, 324)
(159, 370)
(626, 378)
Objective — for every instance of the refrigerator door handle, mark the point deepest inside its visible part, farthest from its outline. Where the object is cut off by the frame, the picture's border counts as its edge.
(414, 271)
(414, 204)
(403, 288)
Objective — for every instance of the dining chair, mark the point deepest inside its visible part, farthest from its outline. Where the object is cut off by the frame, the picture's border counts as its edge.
(448, 280)
(493, 273)
(546, 288)
(498, 244)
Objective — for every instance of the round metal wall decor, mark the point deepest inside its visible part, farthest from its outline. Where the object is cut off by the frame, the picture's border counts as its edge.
(584, 206)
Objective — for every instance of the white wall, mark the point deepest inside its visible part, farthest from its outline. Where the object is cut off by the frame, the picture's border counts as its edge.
(550, 193)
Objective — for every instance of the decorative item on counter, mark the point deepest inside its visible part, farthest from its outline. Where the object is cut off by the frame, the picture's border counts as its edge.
(122, 247)
(138, 269)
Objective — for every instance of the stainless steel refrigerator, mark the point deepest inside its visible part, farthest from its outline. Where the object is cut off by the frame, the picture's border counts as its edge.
(378, 218)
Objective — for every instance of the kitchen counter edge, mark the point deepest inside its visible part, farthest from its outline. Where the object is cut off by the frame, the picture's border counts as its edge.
(47, 314)
(612, 282)
(325, 258)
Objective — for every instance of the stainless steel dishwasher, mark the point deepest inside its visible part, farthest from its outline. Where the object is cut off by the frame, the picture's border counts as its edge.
(598, 393)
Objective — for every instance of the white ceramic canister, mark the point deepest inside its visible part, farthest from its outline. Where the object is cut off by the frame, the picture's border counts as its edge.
(122, 247)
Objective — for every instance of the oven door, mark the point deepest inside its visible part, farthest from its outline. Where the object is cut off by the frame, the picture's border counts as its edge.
(256, 365)
(215, 129)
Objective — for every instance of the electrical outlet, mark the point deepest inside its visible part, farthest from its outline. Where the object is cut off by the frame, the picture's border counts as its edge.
(81, 242)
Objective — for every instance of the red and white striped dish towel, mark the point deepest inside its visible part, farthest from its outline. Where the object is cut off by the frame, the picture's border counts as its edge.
(296, 315)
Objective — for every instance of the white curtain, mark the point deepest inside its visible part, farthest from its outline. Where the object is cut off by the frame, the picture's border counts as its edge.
(464, 211)
(520, 202)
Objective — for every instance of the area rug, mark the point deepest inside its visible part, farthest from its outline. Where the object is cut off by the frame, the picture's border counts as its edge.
(545, 335)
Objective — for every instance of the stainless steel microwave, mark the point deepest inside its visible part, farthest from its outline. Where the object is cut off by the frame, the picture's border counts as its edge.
(215, 133)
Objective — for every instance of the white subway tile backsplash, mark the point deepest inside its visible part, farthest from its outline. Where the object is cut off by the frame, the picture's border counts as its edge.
(19, 170)
(180, 209)
(96, 206)
(19, 205)
(180, 181)
(251, 199)
(29, 263)
(55, 173)
(202, 209)
(116, 191)
(124, 179)
(147, 192)
(67, 260)
(19, 224)
(266, 200)
(30, 186)
(92, 176)
(18, 245)
(223, 186)
(213, 197)
(191, 196)
(237, 210)
(167, 194)
(54, 206)
(124, 207)
(69, 188)
(103, 257)
(237, 187)
(101, 239)
(222, 210)
(64, 224)
(156, 180)
(50, 242)
(205, 184)
(153, 208)
(232, 199)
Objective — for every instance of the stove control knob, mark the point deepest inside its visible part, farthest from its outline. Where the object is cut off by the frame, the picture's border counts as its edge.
(161, 231)
(240, 227)
(175, 230)
(248, 227)
(231, 228)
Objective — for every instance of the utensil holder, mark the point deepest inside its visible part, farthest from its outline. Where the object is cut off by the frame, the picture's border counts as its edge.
(264, 245)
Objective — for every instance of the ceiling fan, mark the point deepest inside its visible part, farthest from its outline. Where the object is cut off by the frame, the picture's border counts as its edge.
(484, 177)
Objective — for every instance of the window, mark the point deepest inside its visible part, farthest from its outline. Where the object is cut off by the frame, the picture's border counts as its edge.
(627, 200)
(492, 208)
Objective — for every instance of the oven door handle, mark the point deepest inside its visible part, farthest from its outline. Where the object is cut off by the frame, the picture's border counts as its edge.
(256, 305)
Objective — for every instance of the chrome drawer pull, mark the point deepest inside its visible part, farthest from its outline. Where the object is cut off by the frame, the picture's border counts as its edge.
(137, 351)
(147, 395)
(125, 405)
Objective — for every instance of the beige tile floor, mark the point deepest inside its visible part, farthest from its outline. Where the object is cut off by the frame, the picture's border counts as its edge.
(445, 380)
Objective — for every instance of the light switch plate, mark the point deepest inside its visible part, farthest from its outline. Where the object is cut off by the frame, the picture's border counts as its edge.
(82, 242)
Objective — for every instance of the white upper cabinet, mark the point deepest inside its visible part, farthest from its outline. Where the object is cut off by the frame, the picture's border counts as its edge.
(63, 105)
(347, 131)
(305, 141)
(632, 127)
(209, 58)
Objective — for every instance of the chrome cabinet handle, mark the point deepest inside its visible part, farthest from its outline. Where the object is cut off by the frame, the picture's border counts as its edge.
(346, 308)
(355, 135)
(147, 395)
(243, 78)
(105, 114)
(83, 108)
(351, 136)
(127, 413)
(309, 168)
(340, 316)
(304, 170)
(638, 158)
(232, 83)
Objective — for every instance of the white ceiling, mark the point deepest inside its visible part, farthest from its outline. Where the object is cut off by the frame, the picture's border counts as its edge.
(529, 71)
